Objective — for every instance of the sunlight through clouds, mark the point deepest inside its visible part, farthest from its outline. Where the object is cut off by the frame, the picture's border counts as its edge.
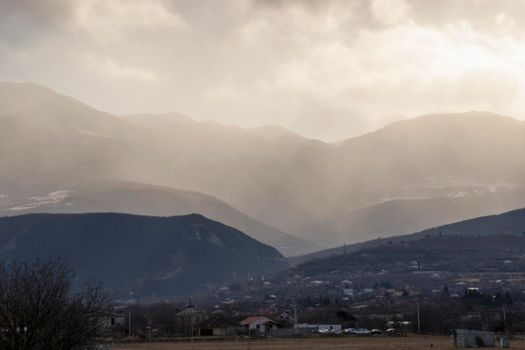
(327, 69)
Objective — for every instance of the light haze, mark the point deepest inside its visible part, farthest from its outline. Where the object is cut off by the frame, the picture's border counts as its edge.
(325, 69)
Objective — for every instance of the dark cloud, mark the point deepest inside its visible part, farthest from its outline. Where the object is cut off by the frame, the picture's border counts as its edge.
(22, 20)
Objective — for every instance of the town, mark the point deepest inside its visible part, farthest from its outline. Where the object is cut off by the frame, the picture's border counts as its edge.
(381, 291)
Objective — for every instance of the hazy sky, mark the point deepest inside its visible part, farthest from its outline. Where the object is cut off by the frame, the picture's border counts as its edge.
(323, 68)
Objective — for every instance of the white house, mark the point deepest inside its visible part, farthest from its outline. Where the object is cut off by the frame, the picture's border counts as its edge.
(259, 325)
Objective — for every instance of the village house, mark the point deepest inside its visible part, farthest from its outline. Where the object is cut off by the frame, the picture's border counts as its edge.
(112, 322)
(188, 319)
(218, 326)
(259, 325)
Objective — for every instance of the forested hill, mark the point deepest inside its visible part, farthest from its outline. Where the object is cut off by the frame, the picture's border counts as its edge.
(143, 255)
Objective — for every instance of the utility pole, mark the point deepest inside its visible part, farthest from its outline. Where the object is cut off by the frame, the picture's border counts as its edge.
(149, 331)
(129, 323)
(418, 319)
(504, 319)
(295, 312)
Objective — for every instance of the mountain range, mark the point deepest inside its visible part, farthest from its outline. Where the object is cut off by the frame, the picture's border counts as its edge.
(140, 256)
(141, 199)
(295, 193)
(503, 229)
(484, 253)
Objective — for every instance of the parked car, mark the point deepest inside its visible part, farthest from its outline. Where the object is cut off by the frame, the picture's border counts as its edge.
(392, 332)
(335, 332)
(348, 331)
(361, 331)
(376, 331)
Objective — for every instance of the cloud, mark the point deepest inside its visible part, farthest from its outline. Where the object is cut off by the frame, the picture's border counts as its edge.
(399, 71)
(323, 68)
(104, 20)
(108, 68)
(38, 10)
(295, 21)
(108, 20)
(391, 12)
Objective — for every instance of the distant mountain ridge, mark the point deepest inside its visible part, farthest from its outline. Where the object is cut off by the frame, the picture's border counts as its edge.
(509, 223)
(145, 256)
(489, 248)
(140, 199)
(472, 162)
(485, 253)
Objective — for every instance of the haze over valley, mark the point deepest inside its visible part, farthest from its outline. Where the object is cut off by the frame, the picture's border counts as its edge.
(262, 173)
(292, 192)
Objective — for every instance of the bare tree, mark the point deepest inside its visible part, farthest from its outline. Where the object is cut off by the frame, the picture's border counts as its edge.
(39, 310)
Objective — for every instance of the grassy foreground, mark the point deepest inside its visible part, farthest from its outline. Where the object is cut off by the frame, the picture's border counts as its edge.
(371, 343)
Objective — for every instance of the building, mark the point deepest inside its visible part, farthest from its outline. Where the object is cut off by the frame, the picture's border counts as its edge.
(218, 326)
(467, 338)
(259, 325)
(188, 319)
(112, 323)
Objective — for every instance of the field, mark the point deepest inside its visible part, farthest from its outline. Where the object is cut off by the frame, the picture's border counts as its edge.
(370, 343)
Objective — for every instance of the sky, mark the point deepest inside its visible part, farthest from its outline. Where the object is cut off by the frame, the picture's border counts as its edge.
(326, 69)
